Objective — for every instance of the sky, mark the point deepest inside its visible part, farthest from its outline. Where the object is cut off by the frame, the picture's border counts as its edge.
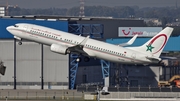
(74, 3)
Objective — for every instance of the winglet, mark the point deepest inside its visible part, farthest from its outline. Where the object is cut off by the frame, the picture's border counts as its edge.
(131, 41)
(84, 41)
(79, 47)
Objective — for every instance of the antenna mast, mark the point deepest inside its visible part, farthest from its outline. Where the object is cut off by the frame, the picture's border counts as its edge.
(81, 12)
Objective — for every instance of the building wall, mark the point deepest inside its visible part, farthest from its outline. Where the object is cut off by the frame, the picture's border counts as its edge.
(7, 55)
(134, 75)
(122, 75)
(89, 75)
(28, 66)
(28, 62)
(56, 67)
(111, 25)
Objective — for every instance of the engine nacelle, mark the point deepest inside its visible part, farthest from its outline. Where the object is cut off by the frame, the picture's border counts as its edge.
(59, 49)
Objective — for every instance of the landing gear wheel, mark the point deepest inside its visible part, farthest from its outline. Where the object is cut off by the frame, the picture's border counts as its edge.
(20, 43)
(78, 60)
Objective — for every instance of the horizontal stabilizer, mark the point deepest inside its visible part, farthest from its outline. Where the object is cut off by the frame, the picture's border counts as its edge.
(154, 58)
(130, 42)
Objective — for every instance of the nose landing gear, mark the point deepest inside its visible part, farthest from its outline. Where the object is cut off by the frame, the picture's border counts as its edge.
(20, 43)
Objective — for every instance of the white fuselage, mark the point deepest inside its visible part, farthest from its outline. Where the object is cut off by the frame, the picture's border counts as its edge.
(92, 48)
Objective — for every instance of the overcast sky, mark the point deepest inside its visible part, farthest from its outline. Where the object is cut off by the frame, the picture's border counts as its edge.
(73, 3)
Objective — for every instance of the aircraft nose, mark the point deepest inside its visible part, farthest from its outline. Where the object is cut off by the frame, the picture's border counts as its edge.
(8, 28)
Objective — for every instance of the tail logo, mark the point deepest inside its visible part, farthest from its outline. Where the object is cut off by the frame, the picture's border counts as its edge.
(150, 47)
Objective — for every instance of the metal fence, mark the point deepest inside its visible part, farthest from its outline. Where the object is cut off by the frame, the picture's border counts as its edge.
(80, 95)
(41, 94)
(142, 96)
(132, 89)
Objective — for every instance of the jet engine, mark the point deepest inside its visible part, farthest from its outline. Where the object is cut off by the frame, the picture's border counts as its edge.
(59, 49)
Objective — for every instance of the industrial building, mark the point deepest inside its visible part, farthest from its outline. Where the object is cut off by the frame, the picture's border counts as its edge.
(33, 66)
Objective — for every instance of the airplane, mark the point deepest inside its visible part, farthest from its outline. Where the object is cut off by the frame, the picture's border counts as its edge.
(65, 43)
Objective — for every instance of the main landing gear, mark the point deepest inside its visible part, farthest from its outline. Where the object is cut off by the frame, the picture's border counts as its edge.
(79, 59)
(18, 38)
(20, 43)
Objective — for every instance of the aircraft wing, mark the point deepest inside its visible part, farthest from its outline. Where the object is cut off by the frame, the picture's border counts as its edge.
(131, 41)
(79, 47)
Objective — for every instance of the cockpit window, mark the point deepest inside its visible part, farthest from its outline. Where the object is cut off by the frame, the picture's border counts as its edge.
(15, 25)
